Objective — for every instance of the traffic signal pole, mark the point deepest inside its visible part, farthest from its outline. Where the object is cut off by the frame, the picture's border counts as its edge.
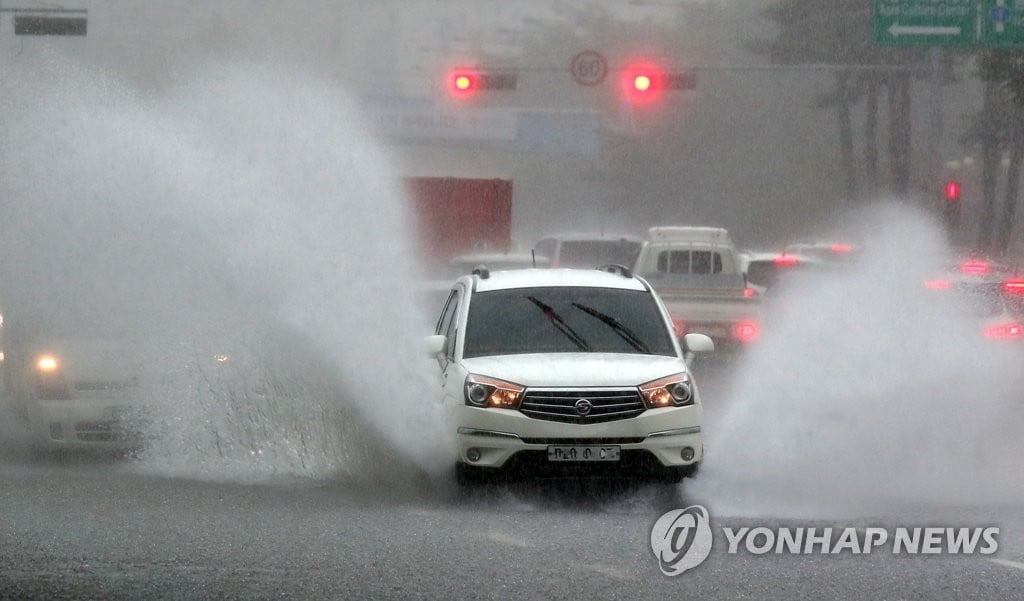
(935, 133)
(949, 198)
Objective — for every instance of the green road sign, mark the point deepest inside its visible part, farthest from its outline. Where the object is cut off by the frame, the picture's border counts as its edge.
(1002, 23)
(926, 22)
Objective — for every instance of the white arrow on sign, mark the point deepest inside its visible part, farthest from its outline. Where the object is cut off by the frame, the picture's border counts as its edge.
(896, 30)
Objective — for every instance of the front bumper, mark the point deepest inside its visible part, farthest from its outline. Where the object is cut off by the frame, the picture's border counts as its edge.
(499, 434)
(88, 423)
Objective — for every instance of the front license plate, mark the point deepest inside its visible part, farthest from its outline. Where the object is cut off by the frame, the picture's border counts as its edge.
(587, 453)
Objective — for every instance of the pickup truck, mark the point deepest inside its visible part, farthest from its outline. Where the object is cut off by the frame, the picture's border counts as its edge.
(697, 272)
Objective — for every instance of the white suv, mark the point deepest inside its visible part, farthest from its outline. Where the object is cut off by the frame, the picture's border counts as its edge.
(564, 371)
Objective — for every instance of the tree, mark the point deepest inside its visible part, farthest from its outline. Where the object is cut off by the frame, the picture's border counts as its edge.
(839, 33)
(999, 129)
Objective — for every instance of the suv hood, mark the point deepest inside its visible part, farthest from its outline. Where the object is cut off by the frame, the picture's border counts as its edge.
(576, 369)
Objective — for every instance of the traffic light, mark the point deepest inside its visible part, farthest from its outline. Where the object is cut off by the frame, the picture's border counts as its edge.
(644, 83)
(952, 190)
(467, 82)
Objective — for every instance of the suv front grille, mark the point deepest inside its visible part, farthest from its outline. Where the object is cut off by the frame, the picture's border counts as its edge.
(560, 404)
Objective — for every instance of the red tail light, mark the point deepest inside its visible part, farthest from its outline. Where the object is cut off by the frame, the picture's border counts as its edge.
(841, 248)
(1015, 286)
(678, 327)
(746, 331)
(938, 284)
(786, 260)
(749, 293)
(1005, 331)
(974, 267)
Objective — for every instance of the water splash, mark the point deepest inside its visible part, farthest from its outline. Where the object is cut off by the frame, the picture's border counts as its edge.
(247, 222)
(866, 394)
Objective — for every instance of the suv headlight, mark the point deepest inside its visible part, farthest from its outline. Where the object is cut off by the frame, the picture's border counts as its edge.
(482, 391)
(675, 390)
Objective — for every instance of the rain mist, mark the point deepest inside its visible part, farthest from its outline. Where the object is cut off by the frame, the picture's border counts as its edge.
(248, 237)
(867, 395)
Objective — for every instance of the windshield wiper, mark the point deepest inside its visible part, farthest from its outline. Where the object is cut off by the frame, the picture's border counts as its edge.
(625, 333)
(560, 324)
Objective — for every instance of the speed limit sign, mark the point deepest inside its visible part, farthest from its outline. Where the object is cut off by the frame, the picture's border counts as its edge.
(589, 68)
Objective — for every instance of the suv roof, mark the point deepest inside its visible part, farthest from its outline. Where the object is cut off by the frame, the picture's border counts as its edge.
(529, 278)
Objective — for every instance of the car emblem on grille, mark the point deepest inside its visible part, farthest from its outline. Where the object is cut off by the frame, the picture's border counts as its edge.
(583, 406)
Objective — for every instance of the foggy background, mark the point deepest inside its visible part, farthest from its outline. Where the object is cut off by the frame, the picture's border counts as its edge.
(747, 150)
(235, 251)
(233, 175)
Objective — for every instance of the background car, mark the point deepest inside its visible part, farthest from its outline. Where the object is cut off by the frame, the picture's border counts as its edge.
(588, 251)
(981, 302)
(77, 388)
(764, 269)
(697, 272)
(827, 252)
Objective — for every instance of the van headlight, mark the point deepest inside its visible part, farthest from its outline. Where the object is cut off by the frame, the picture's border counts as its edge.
(482, 391)
(49, 381)
(47, 364)
(671, 391)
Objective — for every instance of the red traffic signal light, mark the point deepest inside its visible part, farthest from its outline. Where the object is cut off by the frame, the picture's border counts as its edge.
(952, 190)
(641, 84)
(644, 83)
(465, 82)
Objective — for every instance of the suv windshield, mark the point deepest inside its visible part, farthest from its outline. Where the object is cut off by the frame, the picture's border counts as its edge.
(565, 320)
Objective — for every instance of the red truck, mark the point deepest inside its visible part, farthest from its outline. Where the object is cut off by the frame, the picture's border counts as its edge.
(456, 216)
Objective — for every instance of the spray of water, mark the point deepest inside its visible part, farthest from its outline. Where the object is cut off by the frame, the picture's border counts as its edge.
(246, 239)
(867, 393)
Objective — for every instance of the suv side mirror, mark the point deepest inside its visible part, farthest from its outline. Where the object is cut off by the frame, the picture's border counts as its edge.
(694, 344)
(433, 345)
(698, 343)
